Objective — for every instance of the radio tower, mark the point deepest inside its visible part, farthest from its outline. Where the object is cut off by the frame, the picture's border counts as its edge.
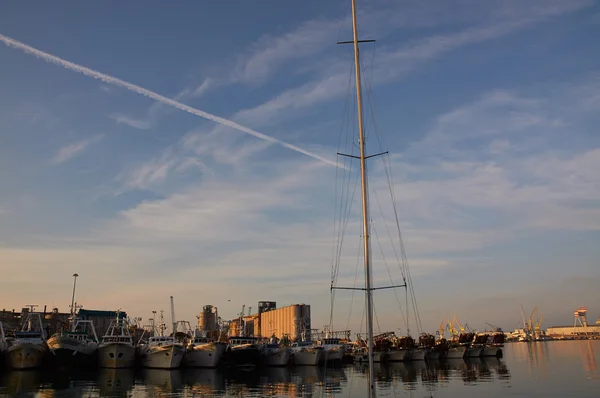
(581, 319)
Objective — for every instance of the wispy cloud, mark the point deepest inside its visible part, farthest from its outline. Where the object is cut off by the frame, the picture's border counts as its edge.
(157, 97)
(391, 64)
(130, 121)
(68, 152)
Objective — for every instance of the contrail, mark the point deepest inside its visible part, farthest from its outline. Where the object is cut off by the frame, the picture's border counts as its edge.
(155, 96)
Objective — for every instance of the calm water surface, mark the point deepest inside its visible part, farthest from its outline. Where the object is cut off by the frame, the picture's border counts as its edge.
(549, 369)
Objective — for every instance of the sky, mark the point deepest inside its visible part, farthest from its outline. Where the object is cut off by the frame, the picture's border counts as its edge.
(189, 150)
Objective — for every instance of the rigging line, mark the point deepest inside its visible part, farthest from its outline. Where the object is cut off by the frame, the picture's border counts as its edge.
(337, 172)
(347, 171)
(369, 95)
(366, 81)
(371, 104)
(354, 284)
(376, 318)
(343, 228)
(387, 268)
(389, 233)
(343, 224)
(362, 318)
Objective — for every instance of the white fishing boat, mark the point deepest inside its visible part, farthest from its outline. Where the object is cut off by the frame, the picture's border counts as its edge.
(116, 350)
(275, 354)
(493, 347)
(333, 350)
(456, 348)
(477, 345)
(456, 351)
(306, 352)
(204, 352)
(161, 351)
(401, 350)
(28, 348)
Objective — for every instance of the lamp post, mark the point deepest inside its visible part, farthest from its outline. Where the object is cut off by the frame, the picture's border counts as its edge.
(73, 298)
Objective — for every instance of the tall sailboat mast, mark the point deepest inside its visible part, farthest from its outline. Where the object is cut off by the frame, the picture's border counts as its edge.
(363, 174)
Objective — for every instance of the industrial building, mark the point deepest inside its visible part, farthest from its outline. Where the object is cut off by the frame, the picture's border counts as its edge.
(580, 327)
(101, 319)
(573, 331)
(291, 321)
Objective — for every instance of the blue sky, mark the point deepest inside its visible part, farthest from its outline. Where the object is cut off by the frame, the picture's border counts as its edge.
(489, 111)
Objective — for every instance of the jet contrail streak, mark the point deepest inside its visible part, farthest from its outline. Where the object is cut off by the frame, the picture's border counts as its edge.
(155, 96)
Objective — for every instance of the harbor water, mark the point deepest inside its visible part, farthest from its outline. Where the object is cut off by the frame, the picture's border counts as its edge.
(541, 369)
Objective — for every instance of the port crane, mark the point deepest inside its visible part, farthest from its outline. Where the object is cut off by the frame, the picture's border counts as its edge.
(496, 328)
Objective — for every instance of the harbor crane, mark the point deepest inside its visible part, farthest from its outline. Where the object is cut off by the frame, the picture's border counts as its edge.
(496, 328)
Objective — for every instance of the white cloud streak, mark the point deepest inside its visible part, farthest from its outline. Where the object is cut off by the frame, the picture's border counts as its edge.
(155, 96)
(68, 152)
(131, 122)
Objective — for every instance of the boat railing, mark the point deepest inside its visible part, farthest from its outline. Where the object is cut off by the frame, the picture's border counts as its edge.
(117, 339)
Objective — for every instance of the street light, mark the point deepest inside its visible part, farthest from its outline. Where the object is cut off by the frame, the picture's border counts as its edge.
(73, 298)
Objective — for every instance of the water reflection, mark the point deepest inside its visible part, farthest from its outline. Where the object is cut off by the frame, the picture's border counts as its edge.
(21, 382)
(589, 358)
(433, 373)
(115, 382)
(522, 368)
(204, 381)
(160, 382)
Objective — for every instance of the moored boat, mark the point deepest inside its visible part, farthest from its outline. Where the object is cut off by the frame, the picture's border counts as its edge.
(274, 354)
(204, 352)
(116, 349)
(333, 350)
(475, 349)
(426, 347)
(28, 348)
(456, 351)
(306, 353)
(493, 347)
(243, 352)
(76, 346)
(401, 349)
(161, 351)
